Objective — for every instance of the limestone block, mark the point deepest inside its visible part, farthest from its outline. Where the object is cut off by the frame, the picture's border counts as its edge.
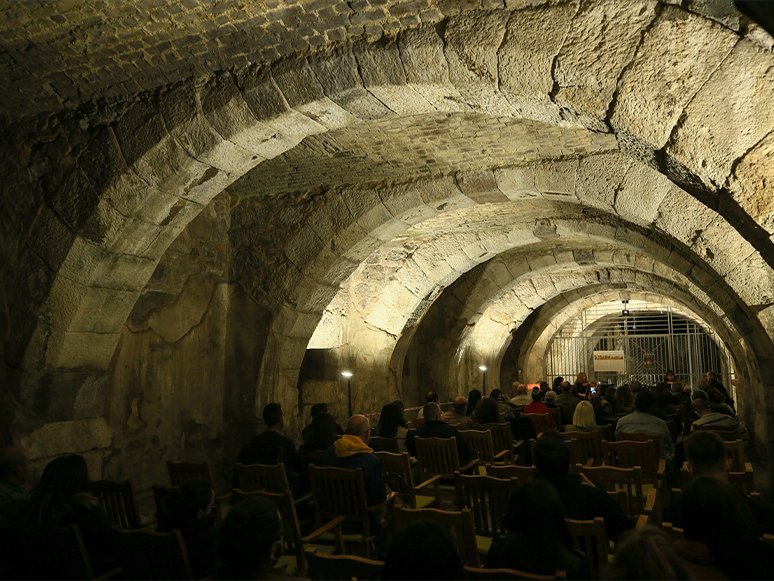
(304, 247)
(677, 56)
(565, 258)
(313, 297)
(599, 177)
(542, 263)
(405, 203)
(137, 239)
(528, 294)
(472, 246)
(600, 42)
(480, 186)
(644, 263)
(432, 261)
(426, 69)
(79, 308)
(72, 350)
(73, 437)
(367, 208)
(389, 312)
(722, 246)
(730, 114)
(471, 41)
(50, 239)
(330, 218)
(90, 265)
(517, 183)
(557, 180)
(753, 280)
(414, 278)
(683, 216)
(766, 317)
(544, 287)
(532, 40)
(171, 230)
(750, 185)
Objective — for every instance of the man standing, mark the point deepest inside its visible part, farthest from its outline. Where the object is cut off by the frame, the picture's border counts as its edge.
(456, 416)
(435, 428)
(641, 420)
(14, 471)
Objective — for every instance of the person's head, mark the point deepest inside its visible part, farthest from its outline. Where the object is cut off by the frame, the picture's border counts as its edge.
(552, 455)
(536, 505)
(715, 512)
(544, 386)
(596, 403)
(710, 376)
(474, 396)
(581, 378)
(432, 396)
(700, 407)
(661, 386)
(423, 550)
(193, 500)
(715, 397)
(584, 415)
(635, 386)
(486, 412)
(63, 484)
(610, 393)
(699, 394)
(707, 455)
(565, 385)
(250, 538)
(399, 404)
(389, 420)
(670, 375)
(66, 475)
(557, 382)
(537, 395)
(677, 387)
(431, 411)
(520, 390)
(644, 401)
(646, 553)
(318, 408)
(550, 397)
(272, 415)
(14, 465)
(663, 397)
(702, 385)
(497, 395)
(321, 433)
(359, 426)
(460, 404)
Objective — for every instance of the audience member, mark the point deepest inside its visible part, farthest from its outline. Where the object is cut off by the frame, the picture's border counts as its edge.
(401, 407)
(390, 427)
(623, 398)
(319, 408)
(646, 553)
(609, 397)
(681, 395)
(522, 398)
(456, 416)
(537, 407)
(14, 472)
(709, 418)
(251, 541)
(473, 398)
(538, 541)
(550, 399)
(321, 433)
(504, 408)
(265, 447)
(718, 402)
(556, 387)
(641, 421)
(487, 412)
(544, 389)
(635, 387)
(584, 419)
(713, 377)
(566, 398)
(189, 509)
(602, 409)
(435, 428)
(580, 498)
(423, 550)
(663, 404)
(430, 397)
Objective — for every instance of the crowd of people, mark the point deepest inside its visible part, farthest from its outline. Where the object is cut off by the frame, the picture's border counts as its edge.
(722, 526)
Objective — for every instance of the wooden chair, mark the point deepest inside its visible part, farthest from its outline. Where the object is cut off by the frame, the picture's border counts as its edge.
(735, 450)
(628, 481)
(307, 457)
(481, 574)
(396, 469)
(459, 523)
(522, 474)
(379, 444)
(542, 422)
(630, 453)
(657, 439)
(161, 495)
(556, 413)
(294, 546)
(586, 447)
(271, 478)
(674, 533)
(439, 456)
(487, 497)
(481, 442)
(339, 492)
(502, 438)
(119, 502)
(418, 422)
(147, 554)
(335, 567)
(728, 434)
(679, 409)
(180, 472)
(744, 481)
(589, 537)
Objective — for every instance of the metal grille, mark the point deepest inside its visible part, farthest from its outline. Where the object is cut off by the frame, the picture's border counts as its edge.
(676, 341)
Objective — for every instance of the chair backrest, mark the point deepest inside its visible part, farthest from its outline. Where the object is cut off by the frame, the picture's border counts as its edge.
(542, 422)
(379, 444)
(744, 481)
(47, 553)
(735, 449)
(629, 453)
(615, 480)
(181, 472)
(502, 438)
(586, 446)
(335, 567)
(521, 473)
(589, 537)
(481, 442)
(437, 456)
(679, 409)
(657, 439)
(270, 478)
(556, 413)
(339, 492)
(146, 554)
(307, 457)
(674, 533)
(418, 422)
(481, 574)
(119, 502)
(459, 523)
(487, 497)
(728, 434)
(161, 495)
(396, 469)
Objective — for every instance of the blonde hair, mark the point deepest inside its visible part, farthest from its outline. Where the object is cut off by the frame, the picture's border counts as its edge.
(584, 415)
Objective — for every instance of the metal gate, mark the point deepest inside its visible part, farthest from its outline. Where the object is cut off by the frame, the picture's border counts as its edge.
(669, 339)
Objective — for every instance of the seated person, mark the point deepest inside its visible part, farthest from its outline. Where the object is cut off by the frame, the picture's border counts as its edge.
(390, 426)
(521, 397)
(456, 416)
(474, 396)
(567, 401)
(319, 408)
(321, 433)
(580, 498)
(549, 400)
(265, 447)
(717, 420)
(14, 472)
(537, 407)
(646, 553)
(487, 412)
(189, 509)
(584, 420)
(505, 409)
(435, 428)
(424, 550)
(718, 402)
(641, 421)
(535, 519)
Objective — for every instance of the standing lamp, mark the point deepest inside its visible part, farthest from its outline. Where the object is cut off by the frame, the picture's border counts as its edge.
(348, 375)
(483, 369)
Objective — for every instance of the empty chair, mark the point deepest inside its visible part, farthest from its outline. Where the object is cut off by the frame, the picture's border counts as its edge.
(502, 439)
(146, 554)
(307, 457)
(439, 456)
(271, 478)
(629, 453)
(629, 482)
(335, 567)
(657, 439)
(728, 434)
(460, 523)
(587, 447)
(541, 422)
(589, 538)
(119, 502)
(481, 442)
(180, 472)
(396, 469)
(487, 497)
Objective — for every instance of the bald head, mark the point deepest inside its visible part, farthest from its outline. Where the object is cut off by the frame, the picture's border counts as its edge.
(14, 464)
(460, 403)
(359, 426)
(431, 411)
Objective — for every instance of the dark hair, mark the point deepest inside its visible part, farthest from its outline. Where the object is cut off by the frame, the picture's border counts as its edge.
(663, 397)
(623, 397)
(423, 550)
(543, 386)
(714, 511)
(661, 386)
(432, 396)
(271, 414)
(646, 553)
(317, 408)
(714, 395)
(473, 398)
(537, 395)
(706, 451)
(399, 405)
(596, 403)
(52, 498)
(496, 394)
(699, 405)
(644, 401)
(487, 412)
(566, 387)
(247, 535)
(183, 505)
(389, 420)
(557, 382)
(321, 433)
(552, 455)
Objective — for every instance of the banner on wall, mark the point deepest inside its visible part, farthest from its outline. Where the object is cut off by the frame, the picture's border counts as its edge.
(609, 361)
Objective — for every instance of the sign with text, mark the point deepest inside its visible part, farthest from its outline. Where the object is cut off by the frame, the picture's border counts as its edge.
(609, 361)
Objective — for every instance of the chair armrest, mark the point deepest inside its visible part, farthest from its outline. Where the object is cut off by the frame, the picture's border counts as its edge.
(472, 464)
(589, 463)
(147, 523)
(389, 500)
(661, 467)
(748, 467)
(224, 496)
(642, 520)
(301, 499)
(432, 480)
(110, 574)
(334, 524)
(517, 444)
(650, 502)
(502, 454)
